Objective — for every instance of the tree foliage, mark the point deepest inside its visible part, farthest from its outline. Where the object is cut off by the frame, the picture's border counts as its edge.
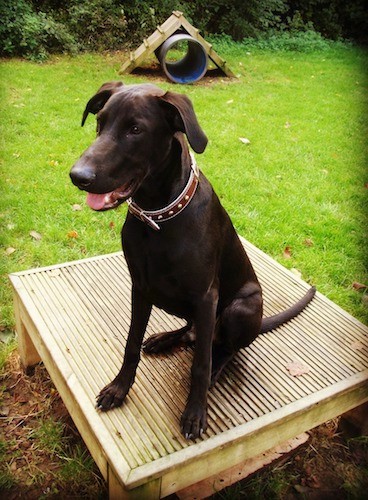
(35, 28)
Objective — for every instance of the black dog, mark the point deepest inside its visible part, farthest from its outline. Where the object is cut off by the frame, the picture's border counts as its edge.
(182, 250)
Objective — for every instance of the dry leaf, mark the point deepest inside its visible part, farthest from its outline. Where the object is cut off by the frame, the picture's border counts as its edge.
(357, 346)
(296, 272)
(72, 234)
(10, 250)
(4, 411)
(308, 242)
(244, 140)
(297, 368)
(112, 225)
(35, 235)
(287, 253)
(77, 207)
(287, 125)
(54, 273)
(359, 286)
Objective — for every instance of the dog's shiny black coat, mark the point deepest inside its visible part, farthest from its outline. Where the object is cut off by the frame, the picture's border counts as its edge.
(195, 266)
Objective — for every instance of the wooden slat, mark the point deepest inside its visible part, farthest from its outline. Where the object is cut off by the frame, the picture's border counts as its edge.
(76, 317)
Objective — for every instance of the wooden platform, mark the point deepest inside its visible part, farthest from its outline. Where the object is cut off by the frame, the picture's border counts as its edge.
(75, 318)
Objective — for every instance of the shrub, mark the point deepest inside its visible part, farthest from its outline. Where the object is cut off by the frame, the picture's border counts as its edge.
(35, 28)
(31, 34)
(97, 24)
(303, 41)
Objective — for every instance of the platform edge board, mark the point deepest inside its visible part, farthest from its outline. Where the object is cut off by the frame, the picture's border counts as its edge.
(235, 445)
(67, 264)
(85, 416)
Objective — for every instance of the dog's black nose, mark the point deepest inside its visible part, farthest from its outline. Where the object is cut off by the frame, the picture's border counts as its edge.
(82, 176)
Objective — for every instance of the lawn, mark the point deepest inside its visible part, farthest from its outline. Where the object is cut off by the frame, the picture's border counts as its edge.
(297, 188)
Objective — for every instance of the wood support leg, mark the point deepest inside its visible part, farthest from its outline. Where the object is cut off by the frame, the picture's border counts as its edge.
(358, 418)
(27, 351)
(150, 490)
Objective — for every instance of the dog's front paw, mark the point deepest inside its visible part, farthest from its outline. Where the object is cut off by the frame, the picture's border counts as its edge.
(111, 396)
(193, 421)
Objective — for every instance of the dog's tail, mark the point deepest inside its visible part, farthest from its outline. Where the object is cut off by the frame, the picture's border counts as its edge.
(285, 316)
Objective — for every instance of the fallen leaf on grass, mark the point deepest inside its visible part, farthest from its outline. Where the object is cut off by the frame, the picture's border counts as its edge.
(297, 368)
(77, 208)
(308, 242)
(10, 250)
(287, 253)
(72, 234)
(359, 286)
(35, 235)
(296, 272)
(244, 140)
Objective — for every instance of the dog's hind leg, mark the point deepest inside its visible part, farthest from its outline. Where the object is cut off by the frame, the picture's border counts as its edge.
(165, 341)
(238, 325)
(220, 358)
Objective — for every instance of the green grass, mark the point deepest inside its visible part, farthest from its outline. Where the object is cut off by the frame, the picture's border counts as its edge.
(300, 180)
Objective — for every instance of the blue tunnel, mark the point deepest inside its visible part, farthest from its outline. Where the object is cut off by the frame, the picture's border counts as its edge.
(188, 68)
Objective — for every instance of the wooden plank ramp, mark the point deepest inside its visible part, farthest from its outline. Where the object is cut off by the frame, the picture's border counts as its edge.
(175, 23)
(75, 318)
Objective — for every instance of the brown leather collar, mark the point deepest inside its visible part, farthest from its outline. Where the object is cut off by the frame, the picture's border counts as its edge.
(153, 217)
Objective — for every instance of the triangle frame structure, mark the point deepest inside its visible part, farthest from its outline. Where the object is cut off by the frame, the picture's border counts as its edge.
(174, 23)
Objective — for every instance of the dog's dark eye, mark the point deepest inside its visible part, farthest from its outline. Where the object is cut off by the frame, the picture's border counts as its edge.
(135, 130)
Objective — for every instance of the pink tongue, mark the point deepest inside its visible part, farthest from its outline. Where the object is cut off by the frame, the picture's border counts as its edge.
(96, 201)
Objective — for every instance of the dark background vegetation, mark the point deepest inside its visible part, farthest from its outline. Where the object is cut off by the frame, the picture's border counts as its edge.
(37, 28)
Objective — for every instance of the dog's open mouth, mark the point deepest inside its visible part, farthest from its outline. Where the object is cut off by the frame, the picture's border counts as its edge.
(106, 201)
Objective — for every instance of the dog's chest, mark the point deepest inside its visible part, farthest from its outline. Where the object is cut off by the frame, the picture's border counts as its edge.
(165, 271)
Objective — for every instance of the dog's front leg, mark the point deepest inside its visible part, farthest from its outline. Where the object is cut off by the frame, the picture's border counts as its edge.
(194, 418)
(114, 393)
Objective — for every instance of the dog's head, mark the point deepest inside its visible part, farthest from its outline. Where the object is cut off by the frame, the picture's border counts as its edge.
(136, 125)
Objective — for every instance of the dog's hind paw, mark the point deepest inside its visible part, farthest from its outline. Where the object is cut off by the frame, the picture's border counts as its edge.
(166, 341)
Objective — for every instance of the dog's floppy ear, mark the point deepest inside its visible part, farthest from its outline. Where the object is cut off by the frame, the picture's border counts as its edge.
(98, 101)
(182, 117)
